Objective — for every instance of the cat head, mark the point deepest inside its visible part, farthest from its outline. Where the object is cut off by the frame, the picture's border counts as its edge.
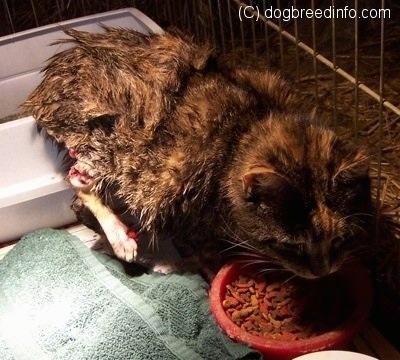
(300, 195)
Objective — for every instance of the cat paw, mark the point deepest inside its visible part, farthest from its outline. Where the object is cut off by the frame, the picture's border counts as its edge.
(165, 268)
(80, 176)
(122, 240)
(126, 249)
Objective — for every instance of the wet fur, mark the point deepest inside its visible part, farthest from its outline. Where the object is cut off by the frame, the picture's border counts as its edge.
(205, 153)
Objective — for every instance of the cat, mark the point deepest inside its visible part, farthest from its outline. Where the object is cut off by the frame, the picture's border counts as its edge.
(211, 156)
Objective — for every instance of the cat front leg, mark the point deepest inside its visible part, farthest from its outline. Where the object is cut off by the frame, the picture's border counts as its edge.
(122, 240)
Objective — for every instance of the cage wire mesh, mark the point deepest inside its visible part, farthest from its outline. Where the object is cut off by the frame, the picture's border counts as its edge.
(344, 67)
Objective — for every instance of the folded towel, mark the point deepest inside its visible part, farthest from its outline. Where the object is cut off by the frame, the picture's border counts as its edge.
(60, 300)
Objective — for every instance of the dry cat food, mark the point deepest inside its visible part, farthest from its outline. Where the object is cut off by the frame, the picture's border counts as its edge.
(286, 310)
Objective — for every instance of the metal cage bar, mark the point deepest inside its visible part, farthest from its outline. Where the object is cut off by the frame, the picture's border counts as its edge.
(335, 85)
(324, 60)
(381, 104)
(315, 53)
(356, 71)
(296, 35)
(8, 15)
(221, 19)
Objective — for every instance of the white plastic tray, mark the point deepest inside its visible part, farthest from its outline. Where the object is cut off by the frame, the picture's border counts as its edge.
(23, 55)
(33, 192)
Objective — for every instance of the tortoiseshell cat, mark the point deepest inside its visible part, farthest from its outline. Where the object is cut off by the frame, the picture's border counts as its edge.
(201, 153)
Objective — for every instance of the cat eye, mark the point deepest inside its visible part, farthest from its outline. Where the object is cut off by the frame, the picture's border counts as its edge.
(299, 248)
(292, 247)
(267, 185)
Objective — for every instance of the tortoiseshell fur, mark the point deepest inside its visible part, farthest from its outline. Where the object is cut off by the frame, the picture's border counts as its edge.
(205, 153)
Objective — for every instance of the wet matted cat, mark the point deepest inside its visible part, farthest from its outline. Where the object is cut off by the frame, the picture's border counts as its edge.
(203, 153)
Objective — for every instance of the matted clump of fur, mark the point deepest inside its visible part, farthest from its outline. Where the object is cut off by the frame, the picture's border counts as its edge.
(200, 153)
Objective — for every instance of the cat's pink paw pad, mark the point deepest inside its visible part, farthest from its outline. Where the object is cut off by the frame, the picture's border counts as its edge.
(121, 239)
(132, 234)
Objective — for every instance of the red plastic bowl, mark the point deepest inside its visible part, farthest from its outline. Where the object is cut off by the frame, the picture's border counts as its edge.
(358, 287)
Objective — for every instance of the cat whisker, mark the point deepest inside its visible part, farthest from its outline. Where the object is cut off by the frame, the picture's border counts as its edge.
(290, 278)
(227, 229)
(258, 261)
(230, 233)
(236, 241)
(356, 215)
(239, 243)
(348, 259)
(254, 258)
(358, 229)
(263, 272)
(358, 251)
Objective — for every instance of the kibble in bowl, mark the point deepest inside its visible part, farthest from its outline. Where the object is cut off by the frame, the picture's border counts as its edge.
(284, 318)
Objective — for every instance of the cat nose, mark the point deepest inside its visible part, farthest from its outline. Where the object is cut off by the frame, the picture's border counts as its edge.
(320, 267)
(321, 271)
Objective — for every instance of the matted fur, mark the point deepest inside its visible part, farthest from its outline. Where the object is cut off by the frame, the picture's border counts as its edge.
(205, 153)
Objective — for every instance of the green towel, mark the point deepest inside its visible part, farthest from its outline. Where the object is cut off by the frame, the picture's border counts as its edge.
(60, 300)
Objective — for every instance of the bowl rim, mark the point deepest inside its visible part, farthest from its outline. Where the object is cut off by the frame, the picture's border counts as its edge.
(361, 290)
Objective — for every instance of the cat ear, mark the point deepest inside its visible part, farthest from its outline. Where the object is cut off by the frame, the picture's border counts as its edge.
(259, 179)
(250, 180)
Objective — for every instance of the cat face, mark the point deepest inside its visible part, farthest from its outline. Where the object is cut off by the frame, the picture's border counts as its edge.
(300, 195)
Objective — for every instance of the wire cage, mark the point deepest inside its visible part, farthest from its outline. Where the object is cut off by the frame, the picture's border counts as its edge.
(343, 57)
